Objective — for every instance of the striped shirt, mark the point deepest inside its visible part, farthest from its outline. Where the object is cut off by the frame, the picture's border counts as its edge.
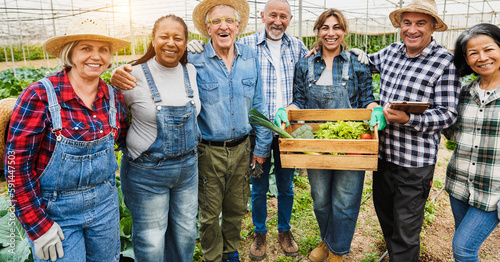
(292, 50)
(473, 173)
(428, 77)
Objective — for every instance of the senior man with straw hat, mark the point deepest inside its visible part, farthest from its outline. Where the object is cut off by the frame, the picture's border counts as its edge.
(230, 85)
(416, 69)
(60, 150)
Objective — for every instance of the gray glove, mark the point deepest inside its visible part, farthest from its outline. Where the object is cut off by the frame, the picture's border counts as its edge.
(196, 46)
(362, 57)
(49, 245)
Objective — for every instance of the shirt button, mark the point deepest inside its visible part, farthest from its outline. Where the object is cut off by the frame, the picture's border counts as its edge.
(158, 108)
(482, 101)
(101, 131)
(480, 110)
(94, 116)
(475, 146)
(192, 102)
(478, 129)
(76, 128)
(473, 164)
(488, 93)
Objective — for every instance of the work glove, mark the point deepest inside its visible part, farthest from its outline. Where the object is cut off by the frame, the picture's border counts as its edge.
(49, 245)
(378, 117)
(281, 116)
(196, 46)
(362, 57)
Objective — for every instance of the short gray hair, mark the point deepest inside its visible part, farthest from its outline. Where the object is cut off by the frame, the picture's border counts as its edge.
(67, 51)
(238, 17)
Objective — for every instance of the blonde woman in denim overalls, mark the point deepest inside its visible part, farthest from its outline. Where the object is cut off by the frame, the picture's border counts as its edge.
(60, 150)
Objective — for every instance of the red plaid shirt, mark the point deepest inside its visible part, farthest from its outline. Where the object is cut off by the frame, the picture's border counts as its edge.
(30, 142)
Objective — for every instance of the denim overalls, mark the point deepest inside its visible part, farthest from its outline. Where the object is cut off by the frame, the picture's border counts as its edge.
(78, 189)
(336, 194)
(160, 186)
(327, 97)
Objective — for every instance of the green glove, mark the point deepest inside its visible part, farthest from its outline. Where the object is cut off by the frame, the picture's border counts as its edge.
(378, 118)
(281, 116)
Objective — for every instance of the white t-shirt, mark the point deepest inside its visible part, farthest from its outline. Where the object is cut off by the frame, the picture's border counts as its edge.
(275, 48)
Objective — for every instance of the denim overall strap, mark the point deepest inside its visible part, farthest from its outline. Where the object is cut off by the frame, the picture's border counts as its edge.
(345, 69)
(310, 71)
(54, 107)
(151, 82)
(189, 90)
(112, 108)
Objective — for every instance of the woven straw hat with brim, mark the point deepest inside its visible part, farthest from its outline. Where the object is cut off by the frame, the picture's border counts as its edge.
(201, 10)
(6, 107)
(83, 28)
(428, 7)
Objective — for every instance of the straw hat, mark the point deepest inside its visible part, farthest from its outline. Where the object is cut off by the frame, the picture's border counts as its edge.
(82, 28)
(427, 7)
(201, 10)
(6, 107)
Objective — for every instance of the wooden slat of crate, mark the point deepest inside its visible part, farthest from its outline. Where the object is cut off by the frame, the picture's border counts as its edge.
(329, 115)
(345, 162)
(367, 146)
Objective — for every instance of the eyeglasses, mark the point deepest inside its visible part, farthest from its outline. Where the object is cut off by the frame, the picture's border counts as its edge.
(218, 20)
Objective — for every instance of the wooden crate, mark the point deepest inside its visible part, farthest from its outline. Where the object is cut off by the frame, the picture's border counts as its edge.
(291, 149)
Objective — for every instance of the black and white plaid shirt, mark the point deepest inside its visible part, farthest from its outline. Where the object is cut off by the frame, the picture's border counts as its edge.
(430, 76)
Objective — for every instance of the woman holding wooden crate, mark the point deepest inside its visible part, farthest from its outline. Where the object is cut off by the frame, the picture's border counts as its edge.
(333, 79)
(473, 173)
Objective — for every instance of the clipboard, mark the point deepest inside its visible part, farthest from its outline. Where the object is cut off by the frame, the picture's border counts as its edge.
(410, 107)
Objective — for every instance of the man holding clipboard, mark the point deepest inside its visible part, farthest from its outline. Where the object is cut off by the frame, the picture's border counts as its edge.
(414, 70)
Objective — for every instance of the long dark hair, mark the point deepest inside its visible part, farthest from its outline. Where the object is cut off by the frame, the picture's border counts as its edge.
(459, 60)
(150, 53)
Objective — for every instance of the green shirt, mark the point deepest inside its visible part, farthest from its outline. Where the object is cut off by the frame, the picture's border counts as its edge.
(473, 173)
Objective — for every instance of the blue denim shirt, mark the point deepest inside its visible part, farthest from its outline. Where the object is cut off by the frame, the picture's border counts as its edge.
(359, 86)
(226, 98)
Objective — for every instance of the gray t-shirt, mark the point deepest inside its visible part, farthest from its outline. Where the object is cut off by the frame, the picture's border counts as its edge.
(170, 84)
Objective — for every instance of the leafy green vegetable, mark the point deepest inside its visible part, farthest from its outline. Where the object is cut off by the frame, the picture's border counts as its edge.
(262, 120)
(341, 130)
(305, 131)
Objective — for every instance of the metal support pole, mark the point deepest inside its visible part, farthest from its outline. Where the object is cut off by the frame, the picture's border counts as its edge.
(10, 42)
(21, 33)
(366, 28)
(300, 20)
(256, 15)
(467, 19)
(132, 46)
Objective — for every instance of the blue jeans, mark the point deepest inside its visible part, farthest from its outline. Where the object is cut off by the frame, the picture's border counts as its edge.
(91, 234)
(472, 227)
(163, 200)
(337, 198)
(260, 187)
